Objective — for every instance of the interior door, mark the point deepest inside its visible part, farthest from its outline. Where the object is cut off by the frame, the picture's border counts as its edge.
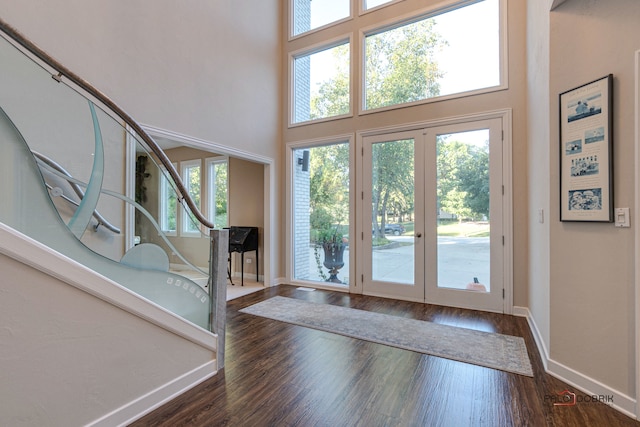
(433, 200)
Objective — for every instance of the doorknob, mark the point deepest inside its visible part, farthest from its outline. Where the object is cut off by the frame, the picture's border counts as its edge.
(418, 234)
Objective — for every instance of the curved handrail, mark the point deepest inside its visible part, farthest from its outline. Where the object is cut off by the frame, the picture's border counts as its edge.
(90, 89)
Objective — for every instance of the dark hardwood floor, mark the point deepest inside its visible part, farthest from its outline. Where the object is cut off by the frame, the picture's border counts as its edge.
(278, 374)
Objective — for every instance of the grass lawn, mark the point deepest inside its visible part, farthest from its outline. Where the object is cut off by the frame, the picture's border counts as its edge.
(464, 229)
(455, 229)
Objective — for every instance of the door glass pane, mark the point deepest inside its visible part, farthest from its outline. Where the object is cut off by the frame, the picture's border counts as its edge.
(321, 213)
(463, 210)
(392, 211)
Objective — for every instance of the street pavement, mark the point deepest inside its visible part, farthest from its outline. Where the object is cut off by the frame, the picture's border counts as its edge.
(460, 259)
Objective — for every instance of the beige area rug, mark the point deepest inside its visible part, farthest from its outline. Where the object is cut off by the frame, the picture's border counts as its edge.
(497, 351)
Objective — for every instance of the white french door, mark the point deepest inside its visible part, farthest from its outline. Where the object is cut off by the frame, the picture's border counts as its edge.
(442, 187)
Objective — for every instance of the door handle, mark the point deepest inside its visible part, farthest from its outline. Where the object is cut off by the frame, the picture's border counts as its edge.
(418, 234)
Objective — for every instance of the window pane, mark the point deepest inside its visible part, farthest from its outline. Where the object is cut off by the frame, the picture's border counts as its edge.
(168, 206)
(321, 213)
(191, 177)
(218, 172)
(370, 4)
(433, 57)
(321, 84)
(309, 15)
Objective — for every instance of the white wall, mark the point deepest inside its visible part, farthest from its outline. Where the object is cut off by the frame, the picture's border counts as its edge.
(210, 70)
(592, 265)
(205, 69)
(69, 358)
(538, 147)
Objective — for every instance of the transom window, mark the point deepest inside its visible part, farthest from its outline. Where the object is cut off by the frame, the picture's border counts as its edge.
(321, 86)
(370, 4)
(311, 14)
(449, 53)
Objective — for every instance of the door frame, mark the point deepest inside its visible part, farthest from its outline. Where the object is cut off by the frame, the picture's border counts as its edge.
(356, 286)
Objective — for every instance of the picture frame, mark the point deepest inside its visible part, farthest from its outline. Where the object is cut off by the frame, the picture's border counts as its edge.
(586, 152)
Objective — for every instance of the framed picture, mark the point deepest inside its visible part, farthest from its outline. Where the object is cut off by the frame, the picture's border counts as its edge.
(586, 160)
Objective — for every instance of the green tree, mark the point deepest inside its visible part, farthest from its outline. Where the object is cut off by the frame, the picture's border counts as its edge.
(392, 180)
(399, 68)
(221, 170)
(331, 97)
(329, 186)
(400, 65)
(463, 178)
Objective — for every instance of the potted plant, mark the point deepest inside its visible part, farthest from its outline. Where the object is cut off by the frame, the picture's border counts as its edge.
(333, 246)
(328, 240)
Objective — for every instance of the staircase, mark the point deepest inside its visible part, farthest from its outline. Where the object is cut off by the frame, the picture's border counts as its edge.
(102, 317)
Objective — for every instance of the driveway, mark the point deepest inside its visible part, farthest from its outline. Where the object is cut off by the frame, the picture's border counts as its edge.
(460, 259)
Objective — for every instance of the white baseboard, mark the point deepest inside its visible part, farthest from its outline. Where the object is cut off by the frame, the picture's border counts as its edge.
(280, 281)
(590, 386)
(537, 337)
(136, 409)
(621, 402)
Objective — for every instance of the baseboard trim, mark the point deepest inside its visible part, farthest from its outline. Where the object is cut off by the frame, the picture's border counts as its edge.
(280, 281)
(537, 337)
(145, 404)
(590, 386)
(621, 402)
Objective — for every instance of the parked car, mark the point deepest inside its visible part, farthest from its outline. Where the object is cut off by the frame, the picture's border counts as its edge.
(395, 229)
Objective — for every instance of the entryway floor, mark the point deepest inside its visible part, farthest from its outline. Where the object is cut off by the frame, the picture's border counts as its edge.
(235, 291)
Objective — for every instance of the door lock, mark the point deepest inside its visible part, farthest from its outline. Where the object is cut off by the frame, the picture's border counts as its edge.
(418, 234)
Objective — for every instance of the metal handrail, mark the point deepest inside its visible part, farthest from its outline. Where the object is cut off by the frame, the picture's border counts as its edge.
(90, 89)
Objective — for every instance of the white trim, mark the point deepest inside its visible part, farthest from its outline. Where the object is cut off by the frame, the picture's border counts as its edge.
(637, 225)
(507, 210)
(145, 404)
(621, 402)
(202, 144)
(537, 336)
(505, 113)
(40, 257)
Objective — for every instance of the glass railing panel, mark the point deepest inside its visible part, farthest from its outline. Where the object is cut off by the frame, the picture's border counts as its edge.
(160, 220)
(80, 145)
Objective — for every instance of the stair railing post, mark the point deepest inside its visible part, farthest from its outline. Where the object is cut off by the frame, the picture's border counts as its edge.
(218, 289)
